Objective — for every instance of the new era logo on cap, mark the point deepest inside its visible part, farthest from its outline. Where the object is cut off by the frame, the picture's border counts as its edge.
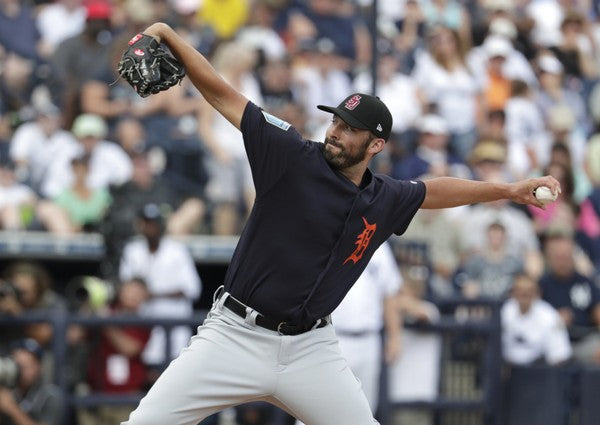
(365, 112)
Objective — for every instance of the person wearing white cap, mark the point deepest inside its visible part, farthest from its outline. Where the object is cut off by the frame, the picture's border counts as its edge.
(515, 65)
(554, 93)
(431, 155)
(109, 164)
(497, 85)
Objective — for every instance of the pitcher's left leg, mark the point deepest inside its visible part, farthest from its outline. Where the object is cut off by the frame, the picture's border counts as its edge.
(316, 385)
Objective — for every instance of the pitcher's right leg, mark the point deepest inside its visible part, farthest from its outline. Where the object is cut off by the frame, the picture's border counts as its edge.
(226, 364)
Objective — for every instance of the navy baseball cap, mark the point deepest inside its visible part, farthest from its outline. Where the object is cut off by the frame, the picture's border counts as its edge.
(29, 344)
(364, 111)
(151, 212)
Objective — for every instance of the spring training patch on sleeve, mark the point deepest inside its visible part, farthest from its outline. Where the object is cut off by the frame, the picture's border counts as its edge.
(277, 122)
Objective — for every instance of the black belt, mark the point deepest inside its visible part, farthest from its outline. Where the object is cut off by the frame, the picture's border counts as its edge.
(284, 328)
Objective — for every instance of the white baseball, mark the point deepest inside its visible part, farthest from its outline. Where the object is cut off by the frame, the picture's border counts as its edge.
(545, 195)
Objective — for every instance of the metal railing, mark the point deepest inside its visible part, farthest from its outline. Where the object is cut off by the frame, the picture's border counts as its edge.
(488, 403)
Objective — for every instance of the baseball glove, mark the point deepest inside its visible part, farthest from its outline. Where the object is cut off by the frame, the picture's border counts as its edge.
(148, 68)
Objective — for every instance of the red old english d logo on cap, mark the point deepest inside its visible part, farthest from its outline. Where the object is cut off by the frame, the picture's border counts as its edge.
(352, 102)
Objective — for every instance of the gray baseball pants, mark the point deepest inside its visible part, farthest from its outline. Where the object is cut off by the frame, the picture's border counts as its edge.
(231, 361)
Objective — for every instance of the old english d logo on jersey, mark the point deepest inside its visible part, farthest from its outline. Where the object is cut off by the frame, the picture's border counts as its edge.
(362, 241)
(352, 102)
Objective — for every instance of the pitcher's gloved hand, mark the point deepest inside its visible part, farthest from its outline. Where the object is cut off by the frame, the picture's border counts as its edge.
(148, 67)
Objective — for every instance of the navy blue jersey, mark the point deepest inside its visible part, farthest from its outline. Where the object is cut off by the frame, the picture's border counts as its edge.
(311, 231)
(577, 293)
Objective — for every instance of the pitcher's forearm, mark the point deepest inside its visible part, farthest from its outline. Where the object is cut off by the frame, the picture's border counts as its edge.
(447, 192)
(220, 94)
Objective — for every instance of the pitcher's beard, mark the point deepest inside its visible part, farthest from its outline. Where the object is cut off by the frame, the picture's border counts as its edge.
(343, 159)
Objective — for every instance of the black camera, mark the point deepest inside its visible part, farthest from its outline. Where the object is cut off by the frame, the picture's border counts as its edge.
(9, 372)
(7, 289)
(88, 291)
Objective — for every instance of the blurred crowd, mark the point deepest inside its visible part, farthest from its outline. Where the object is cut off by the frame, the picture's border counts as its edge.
(494, 90)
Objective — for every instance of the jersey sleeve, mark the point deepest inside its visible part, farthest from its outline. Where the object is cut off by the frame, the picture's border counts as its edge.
(409, 195)
(271, 145)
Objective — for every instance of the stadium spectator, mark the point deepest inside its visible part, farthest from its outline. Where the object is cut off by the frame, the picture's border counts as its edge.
(130, 134)
(318, 77)
(226, 17)
(334, 20)
(415, 375)
(85, 206)
(31, 292)
(60, 20)
(574, 50)
(431, 156)
(17, 200)
(488, 158)
(17, 84)
(109, 164)
(499, 43)
(170, 274)
(77, 59)
(562, 108)
(491, 273)
(527, 138)
(18, 31)
(31, 400)
(450, 14)
(573, 294)
(37, 144)
(276, 86)
(191, 27)
(521, 239)
(116, 366)
(184, 215)
(407, 31)
(442, 75)
(588, 223)
(546, 17)
(398, 91)
(532, 330)
(367, 309)
(230, 189)
(260, 34)
(495, 82)
(438, 233)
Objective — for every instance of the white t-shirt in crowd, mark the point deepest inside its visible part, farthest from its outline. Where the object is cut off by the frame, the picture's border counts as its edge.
(525, 128)
(455, 92)
(109, 165)
(170, 269)
(400, 96)
(538, 334)
(57, 23)
(32, 145)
